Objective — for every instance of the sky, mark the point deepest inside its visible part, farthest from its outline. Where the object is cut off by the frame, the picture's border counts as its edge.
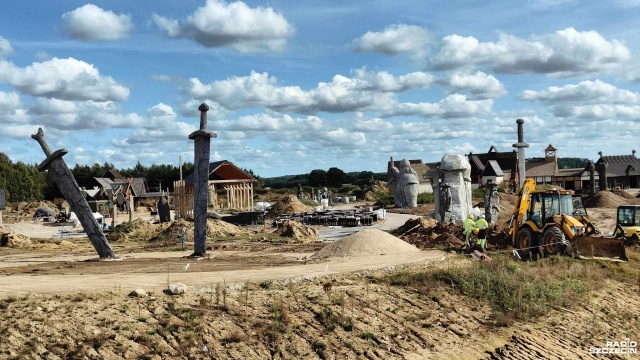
(295, 86)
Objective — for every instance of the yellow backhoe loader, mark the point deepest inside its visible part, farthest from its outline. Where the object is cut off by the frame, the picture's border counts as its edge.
(628, 224)
(552, 221)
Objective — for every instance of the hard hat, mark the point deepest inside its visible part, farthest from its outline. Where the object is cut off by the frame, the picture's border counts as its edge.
(470, 216)
(476, 230)
(481, 216)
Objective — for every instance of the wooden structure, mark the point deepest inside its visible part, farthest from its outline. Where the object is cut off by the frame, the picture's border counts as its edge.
(223, 175)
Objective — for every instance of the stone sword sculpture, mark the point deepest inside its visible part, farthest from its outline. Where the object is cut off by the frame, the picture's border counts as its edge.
(201, 148)
(67, 184)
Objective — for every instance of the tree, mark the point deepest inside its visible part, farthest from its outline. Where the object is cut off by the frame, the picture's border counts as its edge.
(335, 177)
(318, 178)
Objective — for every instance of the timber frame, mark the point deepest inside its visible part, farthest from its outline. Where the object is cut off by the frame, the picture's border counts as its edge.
(237, 184)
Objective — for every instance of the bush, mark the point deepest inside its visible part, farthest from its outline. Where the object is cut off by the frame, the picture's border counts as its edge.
(348, 190)
(426, 198)
(477, 193)
(383, 198)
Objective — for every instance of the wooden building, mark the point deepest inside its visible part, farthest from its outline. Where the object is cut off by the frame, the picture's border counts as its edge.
(236, 185)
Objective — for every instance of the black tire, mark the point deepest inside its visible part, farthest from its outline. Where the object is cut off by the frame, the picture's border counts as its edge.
(553, 241)
(525, 238)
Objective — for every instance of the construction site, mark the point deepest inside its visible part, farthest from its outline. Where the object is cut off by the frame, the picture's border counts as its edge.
(338, 280)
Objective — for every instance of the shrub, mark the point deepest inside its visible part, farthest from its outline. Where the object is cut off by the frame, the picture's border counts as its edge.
(383, 198)
(426, 198)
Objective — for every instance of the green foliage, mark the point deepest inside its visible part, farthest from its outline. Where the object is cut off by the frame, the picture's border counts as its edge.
(348, 189)
(477, 193)
(383, 198)
(572, 163)
(426, 198)
(336, 177)
(318, 178)
(21, 182)
(515, 289)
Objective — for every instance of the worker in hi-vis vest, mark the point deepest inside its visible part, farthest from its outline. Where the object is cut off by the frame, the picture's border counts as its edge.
(482, 225)
(468, 227)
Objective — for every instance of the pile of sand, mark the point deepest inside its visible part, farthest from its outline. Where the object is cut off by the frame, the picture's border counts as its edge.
(17, 241)
(604, 199)
(29, 209)
(413, 224)
(288, 205)
(298, 232)
(623, 194)
(366, 243)
(219, 228)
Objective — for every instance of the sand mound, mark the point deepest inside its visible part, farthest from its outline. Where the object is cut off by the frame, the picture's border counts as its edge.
(288, 205)
(623, 194)
(218, 228)
(298, 232)
(15, 241)
(605, 199)
(366, 243)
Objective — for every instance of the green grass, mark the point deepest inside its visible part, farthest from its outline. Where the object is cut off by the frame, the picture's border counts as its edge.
(514, 289)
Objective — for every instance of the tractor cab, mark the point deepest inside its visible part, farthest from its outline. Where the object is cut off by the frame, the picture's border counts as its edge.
(628, 223)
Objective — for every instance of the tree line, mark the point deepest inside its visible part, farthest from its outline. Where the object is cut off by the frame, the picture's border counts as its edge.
(318, 178)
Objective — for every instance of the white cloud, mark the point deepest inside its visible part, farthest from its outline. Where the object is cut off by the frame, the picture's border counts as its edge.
(218, 24)
(593, 92)
(265, 122)
(163, 78)
(453, 106)
(78, 115)
(479, 85)
(364, 124)
(66, 79)
(17, 131)
(394, 40)
(565, 53)
(384, 81)
(367, 90)
(5, 48)
(91, 22)
(9, 101)
(597, 111)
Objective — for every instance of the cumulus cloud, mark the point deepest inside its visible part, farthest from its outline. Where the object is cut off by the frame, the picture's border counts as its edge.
(367, 90)
(479, 85)
(266, 122)
(81, 115)
(220, 24)
(393, 40)
(565, 53)
(65, 79)
(584, 92)
(5, 48)
(384, 81)
(91, 22)
(9, 101)
(364, 124)
(453, 106)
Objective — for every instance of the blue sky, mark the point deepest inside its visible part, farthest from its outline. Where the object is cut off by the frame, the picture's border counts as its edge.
(300, 85)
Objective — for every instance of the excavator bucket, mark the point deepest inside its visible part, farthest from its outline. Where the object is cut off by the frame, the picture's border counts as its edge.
(598, 247)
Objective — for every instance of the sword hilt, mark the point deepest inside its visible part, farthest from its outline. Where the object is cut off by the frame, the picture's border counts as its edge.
(39, 137)
(203, 116)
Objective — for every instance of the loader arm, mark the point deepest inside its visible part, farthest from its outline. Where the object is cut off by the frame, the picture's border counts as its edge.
(520, 212)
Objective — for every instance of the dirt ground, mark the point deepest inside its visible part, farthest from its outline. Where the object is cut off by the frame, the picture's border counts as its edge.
(254, 297)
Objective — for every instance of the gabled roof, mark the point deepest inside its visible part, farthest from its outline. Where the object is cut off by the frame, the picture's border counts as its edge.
(540, 168)
(492, 169)
(222, 170)
(105, 183)
(550, 148)
(112, 174)
(506, 161)
(620, 165)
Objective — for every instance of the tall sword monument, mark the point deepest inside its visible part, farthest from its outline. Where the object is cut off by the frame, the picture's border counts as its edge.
(201, 152)
(521, 145)
(69, 188)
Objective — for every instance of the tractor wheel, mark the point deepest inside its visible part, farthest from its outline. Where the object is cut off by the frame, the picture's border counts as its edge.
(553, 241)
(524, 240)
